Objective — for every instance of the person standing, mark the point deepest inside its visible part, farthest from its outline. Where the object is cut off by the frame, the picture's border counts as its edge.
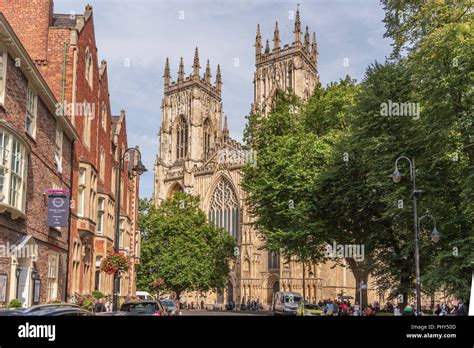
(396, 311)
(99, 306)
(357, 309)
(462, 310)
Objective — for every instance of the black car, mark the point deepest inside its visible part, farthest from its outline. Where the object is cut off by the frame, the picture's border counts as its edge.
(61, 312)
(11, 313)
(32, 309)
(144, 307)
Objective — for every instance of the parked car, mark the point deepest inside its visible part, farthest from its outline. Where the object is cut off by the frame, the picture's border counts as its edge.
(37, 308)
(112, 314)
(144, 295)
(40, 307)
(309, 309)
(144, 307)
(286, 303)
(170, 306)
(61, 312)
(11, 312)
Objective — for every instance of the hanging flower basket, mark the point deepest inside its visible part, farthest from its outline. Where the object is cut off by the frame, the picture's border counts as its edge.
(115, 262)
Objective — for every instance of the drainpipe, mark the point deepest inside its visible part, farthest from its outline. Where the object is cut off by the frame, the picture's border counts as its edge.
(71, 173)
(69, 223)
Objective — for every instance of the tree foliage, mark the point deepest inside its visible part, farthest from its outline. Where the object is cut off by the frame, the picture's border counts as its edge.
(180, 250)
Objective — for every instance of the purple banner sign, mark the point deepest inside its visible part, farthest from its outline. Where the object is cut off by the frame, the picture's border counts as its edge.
(58, 210)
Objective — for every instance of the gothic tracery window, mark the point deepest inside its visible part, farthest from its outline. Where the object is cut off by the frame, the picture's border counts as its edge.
(224, 209)
(182, 138)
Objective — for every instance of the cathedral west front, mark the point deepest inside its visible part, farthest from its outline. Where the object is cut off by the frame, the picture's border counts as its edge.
(197, 156)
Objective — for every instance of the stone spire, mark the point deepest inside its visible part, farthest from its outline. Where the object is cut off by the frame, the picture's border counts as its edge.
(218, 77)
(258, 42)
(167, 74)
(181, 71)
(267, 48)
(306, 39)
(297, 30)
(196, 65)
(225, 131)
(314, 49)
(207, 75)
(276, 37)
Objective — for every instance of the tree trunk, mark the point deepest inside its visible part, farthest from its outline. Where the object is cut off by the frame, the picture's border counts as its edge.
(361, 273)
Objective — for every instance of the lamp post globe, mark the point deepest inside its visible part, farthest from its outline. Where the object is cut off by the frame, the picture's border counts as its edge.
(435, 235)
(396, 176)
(140, 168)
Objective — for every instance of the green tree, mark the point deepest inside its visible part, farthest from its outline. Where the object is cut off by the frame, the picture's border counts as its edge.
(437, 38)
(281, 185)
(180, 250)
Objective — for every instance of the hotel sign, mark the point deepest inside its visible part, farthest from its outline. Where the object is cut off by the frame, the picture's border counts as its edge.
(58, 208)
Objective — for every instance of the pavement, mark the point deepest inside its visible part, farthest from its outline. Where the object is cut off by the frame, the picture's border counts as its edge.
(197, 312)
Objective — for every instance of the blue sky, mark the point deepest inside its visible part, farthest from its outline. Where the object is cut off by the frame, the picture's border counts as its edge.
(145, 32)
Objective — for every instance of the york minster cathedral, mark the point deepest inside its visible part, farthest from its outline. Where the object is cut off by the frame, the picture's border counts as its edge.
(197, 156)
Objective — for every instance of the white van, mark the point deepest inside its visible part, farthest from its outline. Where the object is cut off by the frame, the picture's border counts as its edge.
(286, 303)
(144, 295)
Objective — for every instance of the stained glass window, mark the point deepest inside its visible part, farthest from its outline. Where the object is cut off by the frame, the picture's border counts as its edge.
(224, 209)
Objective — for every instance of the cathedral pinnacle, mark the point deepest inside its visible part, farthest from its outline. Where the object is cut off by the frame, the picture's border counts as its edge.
(218, 77)
(181, 70)
(276, 37)
(258, 42)
(306, 39)
(267, 48)
(297, 31)
(207, 75)
(196, 65)
(167, 74)
(314, 49)
(226, 128)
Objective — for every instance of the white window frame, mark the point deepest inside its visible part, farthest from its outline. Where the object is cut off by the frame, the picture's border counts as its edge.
(53, 272)
(104, 116)
(102, 164)
(14, 171)
(89, 71)
(100, 215)
(31, 117)
(87, 125)
(121, 233)
(58, 149)
(81, 191)
(3, 76)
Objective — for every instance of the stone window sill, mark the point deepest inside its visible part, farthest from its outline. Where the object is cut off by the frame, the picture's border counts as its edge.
(15, 213)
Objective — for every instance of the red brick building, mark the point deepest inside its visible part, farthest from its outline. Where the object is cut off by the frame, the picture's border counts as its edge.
(36, 154)
(55, 41)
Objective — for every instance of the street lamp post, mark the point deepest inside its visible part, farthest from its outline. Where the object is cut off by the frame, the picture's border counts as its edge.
(304, 283)
(138, 169)
(397, 176)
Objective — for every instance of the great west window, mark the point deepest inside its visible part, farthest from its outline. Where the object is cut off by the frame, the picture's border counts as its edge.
(224, 209)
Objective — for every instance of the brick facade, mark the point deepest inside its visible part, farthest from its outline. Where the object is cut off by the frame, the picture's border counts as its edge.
(29, 224)
(96, 153)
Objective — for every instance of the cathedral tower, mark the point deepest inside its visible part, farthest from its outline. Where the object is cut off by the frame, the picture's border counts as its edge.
(191, 119)
(289, 67)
